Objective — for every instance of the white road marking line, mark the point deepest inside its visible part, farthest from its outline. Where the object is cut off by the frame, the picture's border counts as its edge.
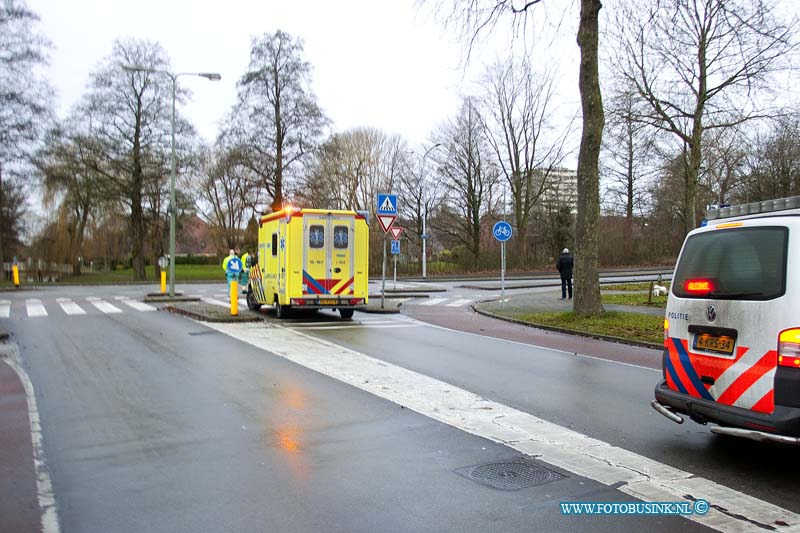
(5, 308)
(360, 326)
(459, 303)
(336, 322)
(70, 307)
(434, 301)
(135, 304)
(103, 306)
(44, 485)
(35, 308)
(635, 475)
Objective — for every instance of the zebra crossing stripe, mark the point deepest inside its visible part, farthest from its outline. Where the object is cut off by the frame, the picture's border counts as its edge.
(70, 307)
(458, 303)
(135, 304)
(434, 301)
(5, 308)
(105, 307)
(35, 308)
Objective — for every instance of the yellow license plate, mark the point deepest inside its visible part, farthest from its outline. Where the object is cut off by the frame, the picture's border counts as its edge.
(328, 302)
(712, 343)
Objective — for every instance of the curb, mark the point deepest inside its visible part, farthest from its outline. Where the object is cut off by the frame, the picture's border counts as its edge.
(597, 336)
(396, 295)
(168, 299)
(206, 318)
(384, 311)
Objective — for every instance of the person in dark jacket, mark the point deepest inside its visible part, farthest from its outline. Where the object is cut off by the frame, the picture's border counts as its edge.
(564, 266)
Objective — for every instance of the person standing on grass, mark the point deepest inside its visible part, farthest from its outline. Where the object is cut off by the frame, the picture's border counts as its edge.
(564, 266)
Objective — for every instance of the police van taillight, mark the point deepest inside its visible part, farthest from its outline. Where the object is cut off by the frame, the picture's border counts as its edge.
(666, 333)
(789, 348)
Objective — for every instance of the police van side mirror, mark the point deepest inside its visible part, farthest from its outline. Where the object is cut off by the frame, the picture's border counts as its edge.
(252, 261)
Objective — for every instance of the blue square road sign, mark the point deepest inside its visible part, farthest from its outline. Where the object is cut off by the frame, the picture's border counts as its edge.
(387, 204)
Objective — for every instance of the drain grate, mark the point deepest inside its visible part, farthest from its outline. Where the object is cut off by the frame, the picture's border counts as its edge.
(511, 475)
(204, 332)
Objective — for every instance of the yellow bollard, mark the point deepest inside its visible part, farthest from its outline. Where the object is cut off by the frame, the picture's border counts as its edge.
(234, 298)
(15, 270)
(163, 282)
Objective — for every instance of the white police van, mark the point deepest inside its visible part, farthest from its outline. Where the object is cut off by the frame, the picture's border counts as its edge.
(732, 324)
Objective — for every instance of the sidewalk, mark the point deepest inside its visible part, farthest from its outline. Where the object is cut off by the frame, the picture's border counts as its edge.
(19, 504)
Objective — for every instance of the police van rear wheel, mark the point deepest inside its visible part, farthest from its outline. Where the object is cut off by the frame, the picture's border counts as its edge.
(252, 304)
(346, 313)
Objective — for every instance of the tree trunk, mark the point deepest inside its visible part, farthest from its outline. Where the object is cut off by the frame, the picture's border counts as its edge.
(587, 285)
(692, 172)
(277, 201)
(2, 207)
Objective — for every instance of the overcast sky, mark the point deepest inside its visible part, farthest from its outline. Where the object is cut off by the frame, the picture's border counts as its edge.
(382, 63)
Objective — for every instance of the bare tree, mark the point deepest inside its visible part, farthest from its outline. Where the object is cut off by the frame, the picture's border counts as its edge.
(280, 122)
(630, 149)
(724, 156)
(224, 184)
(70, 182)
(772, 168)
(518, 110)
(477, 16)
(352, 167)
(466, 165)
(421, 193)
(24, 104)
(698, 65)
(129, 115)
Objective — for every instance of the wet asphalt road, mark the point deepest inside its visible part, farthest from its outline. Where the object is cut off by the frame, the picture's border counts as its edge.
(155, 423)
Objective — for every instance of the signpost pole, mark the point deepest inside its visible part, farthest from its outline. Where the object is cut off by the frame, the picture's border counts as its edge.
(383, 274)
(395, 272)
(502, 274)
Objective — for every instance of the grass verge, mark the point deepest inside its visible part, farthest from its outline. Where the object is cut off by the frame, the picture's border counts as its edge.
(634, 299)
(631, 287)
(182, 273)
(630, 326)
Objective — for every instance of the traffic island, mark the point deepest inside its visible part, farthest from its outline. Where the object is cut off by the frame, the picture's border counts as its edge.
(390, 305)
(521, 309)
(211, 313)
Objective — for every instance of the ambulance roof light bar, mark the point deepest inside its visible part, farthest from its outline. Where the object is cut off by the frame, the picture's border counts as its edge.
(753, 208)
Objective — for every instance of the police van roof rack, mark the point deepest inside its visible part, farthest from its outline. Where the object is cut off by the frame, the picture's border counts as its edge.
(753, 208)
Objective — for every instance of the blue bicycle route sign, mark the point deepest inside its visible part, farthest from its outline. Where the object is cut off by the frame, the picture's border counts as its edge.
(502, 231)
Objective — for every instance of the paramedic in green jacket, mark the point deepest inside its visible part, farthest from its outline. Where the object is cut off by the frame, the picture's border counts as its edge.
(244, 276)
(228, 275)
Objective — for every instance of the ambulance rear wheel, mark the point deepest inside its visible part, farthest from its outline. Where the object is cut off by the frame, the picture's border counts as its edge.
(252, 304)
(346, 313)
(281, 311)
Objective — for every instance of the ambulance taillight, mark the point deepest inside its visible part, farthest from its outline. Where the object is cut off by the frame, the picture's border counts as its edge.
(789, 348)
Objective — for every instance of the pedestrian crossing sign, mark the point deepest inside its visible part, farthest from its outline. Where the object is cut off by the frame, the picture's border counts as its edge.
(387, 204)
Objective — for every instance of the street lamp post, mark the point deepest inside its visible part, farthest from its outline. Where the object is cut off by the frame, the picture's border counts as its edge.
(213, 76)
(425, 212)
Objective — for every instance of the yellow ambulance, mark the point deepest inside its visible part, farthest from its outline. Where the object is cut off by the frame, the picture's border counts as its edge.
(311, 259)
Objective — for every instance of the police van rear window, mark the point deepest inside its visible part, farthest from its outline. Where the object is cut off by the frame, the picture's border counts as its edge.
(733, 264)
